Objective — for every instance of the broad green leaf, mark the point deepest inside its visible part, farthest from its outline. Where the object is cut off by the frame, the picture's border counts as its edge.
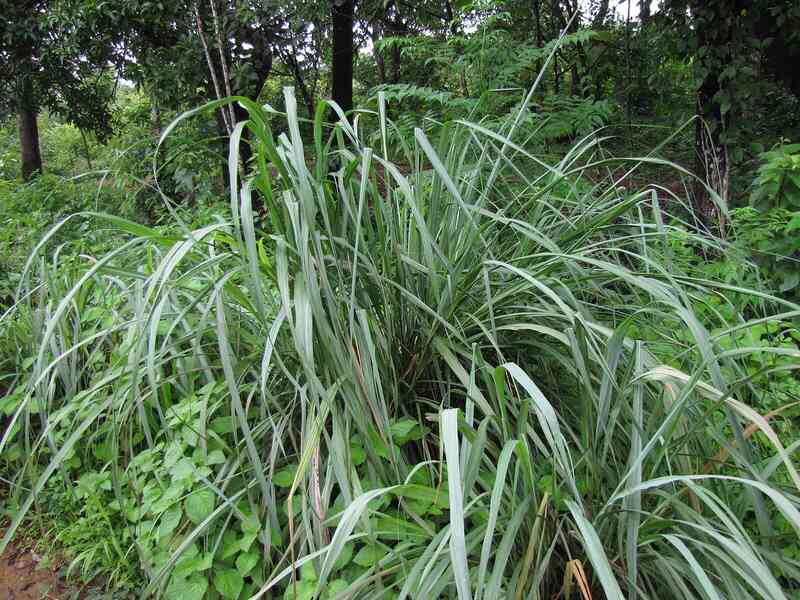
(245, 562)
(199, 505)
(228, 582)
(169, 521)
(183, 469)
(335, 587)
(285, 477)
(308, 572)
(215, 457)
(193, 588)
(193, 564)
(231, 544)
(369, 555)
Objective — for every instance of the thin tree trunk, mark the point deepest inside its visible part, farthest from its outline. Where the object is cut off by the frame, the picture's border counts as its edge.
(221, 47)
(556, 75)
(644, 11)
(155, 114)
(395, 28)
(396, 64)
(290, 60)
(450, 16)
(600, 16)
(576, 80)
(628, 62)
(27, 112)
(87, 151)
(537, 15)
(380, 63)
(342, 68)
(556, 13)
(711, 157)
(217, 90)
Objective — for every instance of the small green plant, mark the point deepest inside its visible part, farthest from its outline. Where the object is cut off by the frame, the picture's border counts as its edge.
(769, 230)
(777, 182)
(772, 239)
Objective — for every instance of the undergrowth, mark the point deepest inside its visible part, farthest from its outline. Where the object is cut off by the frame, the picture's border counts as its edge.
(462, 373)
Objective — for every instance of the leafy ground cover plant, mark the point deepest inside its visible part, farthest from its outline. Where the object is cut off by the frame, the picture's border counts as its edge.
(768, 228)
(432, 384)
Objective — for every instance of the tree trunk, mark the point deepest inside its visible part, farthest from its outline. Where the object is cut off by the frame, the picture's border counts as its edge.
(537, 15)
(342, 67)
(262, 69)
(710, 152)
(155, 115)
(223, 53)
(380, 64)
(86, 150)
(27, 112)
(290, 60)
(601, 14)
(226, 115)
(395, 27)
(575, 80)
(711, 160)
(449, 16)
(644, 11)
(396, 64)
(245, 152)
(556, 17)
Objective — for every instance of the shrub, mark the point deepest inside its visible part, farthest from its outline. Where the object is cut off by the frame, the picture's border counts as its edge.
(773, 242)
(768, 230)
(409, 384)
(777, 183)
(26, 209)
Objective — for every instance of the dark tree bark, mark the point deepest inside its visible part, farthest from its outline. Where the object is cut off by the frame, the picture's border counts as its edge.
(290, 60)
(449, 16)
(537, 15)
(87, 152)
(710, 153)
(601, 14)
(394, 27)
(380, 63)
(155, 115)
(263, 68)
(782, 54)
(396, 64)
(27, 112)
(557, 17)
(342, 67)
(575, 76)
(644, 11)
(575, 80)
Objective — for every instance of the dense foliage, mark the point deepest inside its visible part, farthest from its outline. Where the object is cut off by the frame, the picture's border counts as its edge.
(485, 336)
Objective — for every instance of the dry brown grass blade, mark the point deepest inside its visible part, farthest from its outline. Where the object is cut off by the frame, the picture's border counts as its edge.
(722, 456)
(575, 572)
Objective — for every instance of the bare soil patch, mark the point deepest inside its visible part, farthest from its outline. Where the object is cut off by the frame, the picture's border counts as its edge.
(27, 575)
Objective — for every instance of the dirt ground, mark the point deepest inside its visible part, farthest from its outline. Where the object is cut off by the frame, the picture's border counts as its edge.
(26, 575)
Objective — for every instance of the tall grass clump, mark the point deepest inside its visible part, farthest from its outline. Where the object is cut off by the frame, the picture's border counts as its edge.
(433, 368)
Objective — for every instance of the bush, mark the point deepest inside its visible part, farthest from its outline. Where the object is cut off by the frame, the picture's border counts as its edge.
(777, 183)
(773, 241)
(767, 231)
(27, 209)
(420, 384)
